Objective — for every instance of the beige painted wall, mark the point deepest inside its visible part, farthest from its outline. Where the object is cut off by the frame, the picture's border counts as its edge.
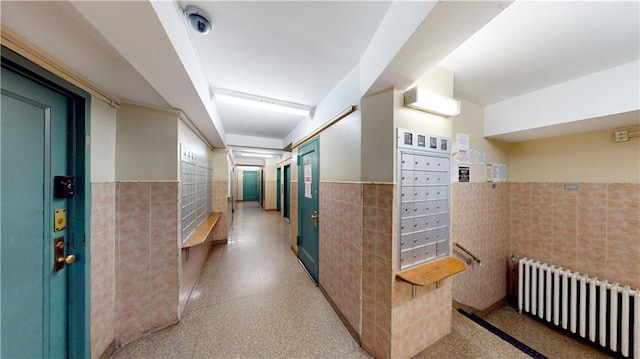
(340, 150)
(377, 133)
(146, 149)
(221, 165)
(384, 112)
(588, 157)
(471, 122)
(103, 142)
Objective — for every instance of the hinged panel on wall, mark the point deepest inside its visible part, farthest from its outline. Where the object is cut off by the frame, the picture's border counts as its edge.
(423, 182)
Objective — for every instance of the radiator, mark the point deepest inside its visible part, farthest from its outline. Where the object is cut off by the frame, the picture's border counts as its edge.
(599, 311)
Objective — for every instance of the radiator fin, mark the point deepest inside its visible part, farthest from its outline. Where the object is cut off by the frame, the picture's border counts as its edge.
(601, 312)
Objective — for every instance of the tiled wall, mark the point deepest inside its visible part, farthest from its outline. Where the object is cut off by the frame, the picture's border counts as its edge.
(593, 230)
(377, 270)
(146, 258)
(421, 321)
(480, 223)
(270, 195)
(221, 204)
(394, 324)
(103, 278)
(340, 247)
(192, 260)
(293, 215)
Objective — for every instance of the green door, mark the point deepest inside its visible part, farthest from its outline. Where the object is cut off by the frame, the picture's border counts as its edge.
(250, 186)
(278, 190)
(308, 207)
(34, 149)
(287, 192)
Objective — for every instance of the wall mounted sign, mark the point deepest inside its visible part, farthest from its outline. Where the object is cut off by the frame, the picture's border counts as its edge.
(307, 181)
(463, 174)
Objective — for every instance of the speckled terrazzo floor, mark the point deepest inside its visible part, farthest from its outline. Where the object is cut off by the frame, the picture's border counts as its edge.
(541, 337)
(253, 300)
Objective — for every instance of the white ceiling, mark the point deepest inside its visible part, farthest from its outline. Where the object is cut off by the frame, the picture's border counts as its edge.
(533, 45)
(290, 51)
(298, 51)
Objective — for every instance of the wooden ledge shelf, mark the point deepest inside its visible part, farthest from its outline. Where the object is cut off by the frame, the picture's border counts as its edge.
(202, 232)
(432, 272)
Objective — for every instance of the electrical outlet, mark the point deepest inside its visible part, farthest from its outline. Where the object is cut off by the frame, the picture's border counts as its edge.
(622, 136)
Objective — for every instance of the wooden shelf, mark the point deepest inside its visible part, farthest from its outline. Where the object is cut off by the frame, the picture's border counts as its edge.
(432, 272)
(203, 231)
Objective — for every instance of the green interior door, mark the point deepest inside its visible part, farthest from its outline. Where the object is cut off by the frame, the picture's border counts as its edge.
(278, 193)
(250, 186)
(308, 207)
(287, 192)
(34, 150)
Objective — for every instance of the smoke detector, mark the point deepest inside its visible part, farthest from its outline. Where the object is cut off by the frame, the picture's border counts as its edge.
(199, 20)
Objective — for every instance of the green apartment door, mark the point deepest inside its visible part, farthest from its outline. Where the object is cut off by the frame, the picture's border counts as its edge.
(34, 145)
(278, 192)
(250, 186)
(286, 178)
(308, 207)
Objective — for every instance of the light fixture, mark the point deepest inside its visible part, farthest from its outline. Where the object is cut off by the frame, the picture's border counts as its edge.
(261, 103)
(260, 155)
(199, 20)
(423, 100)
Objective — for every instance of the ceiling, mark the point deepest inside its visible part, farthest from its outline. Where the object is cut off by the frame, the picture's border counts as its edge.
(289, 51)
(298, 51)
(533, 45)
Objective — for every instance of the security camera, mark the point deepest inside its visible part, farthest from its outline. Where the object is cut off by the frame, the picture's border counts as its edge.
(198, 19)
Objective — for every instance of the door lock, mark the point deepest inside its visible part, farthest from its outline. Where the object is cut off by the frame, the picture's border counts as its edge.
(314, 217)
(59, 259)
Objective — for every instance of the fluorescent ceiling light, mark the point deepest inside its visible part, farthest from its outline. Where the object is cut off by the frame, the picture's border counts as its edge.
(261, 155)
(261, 103)
(423, 100)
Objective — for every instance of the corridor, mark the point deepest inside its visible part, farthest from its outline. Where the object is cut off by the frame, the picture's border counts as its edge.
(253, 299)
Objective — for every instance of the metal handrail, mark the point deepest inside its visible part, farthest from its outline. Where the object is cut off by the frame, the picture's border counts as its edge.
(474, 259)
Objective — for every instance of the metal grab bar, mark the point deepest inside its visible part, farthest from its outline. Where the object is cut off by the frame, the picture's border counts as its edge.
(473, 258)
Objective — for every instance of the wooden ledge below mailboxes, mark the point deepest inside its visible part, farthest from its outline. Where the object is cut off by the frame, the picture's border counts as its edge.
(432, 272)
(203, 231)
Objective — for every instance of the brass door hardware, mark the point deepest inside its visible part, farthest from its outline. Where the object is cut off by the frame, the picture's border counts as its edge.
(59, 220)
(59, 259)
(314, 217)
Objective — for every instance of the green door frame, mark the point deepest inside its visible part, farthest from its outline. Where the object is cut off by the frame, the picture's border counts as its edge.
(278, 193)
(286, 213)
(79, 336)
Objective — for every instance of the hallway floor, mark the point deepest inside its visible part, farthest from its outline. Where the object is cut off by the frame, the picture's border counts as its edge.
(254, 300)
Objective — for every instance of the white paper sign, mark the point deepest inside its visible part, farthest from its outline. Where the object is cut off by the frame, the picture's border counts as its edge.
(481, 158)
(473, 156)
(462, 140)
(307, 190)
(307, 181)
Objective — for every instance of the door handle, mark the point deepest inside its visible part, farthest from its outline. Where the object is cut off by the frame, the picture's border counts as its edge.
(59, 258)
(314, 217)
